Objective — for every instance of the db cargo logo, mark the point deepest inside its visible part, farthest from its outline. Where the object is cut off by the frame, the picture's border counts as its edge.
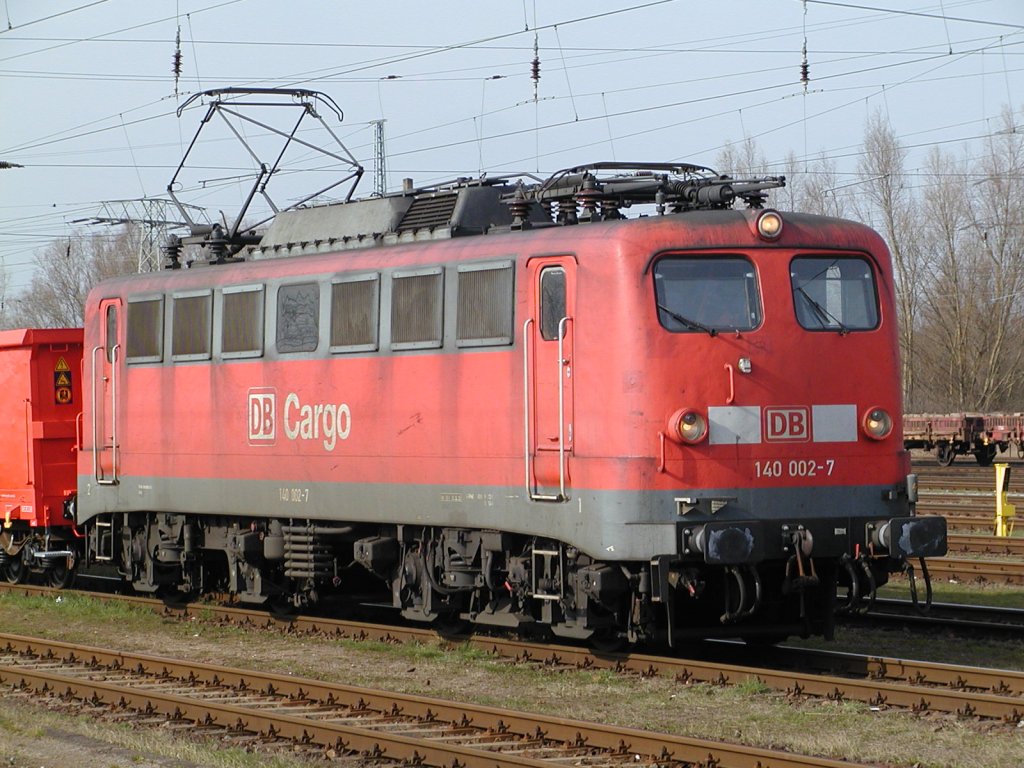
(791, 424)
(262, 424)
(324, 423)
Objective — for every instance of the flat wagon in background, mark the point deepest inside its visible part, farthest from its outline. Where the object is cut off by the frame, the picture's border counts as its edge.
(962, 434)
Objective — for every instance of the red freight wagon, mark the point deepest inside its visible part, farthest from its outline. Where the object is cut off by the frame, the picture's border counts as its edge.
(40, 400)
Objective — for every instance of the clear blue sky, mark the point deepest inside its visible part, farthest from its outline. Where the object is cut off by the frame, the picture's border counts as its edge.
(89, 98)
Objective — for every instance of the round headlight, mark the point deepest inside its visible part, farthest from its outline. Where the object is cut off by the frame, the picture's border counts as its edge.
(688, 426)
(877, 423)
(769, 225)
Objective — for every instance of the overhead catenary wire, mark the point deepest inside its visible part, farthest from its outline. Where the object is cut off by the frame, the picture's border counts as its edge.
(602, 93)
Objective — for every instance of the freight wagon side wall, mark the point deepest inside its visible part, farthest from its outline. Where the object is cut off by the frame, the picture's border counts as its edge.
(40, 400)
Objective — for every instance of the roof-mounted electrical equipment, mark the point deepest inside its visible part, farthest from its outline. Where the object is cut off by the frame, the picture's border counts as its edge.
(236, 107)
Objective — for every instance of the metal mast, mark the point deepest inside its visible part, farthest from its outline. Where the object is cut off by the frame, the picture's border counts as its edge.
(380, 168)
(150, 217)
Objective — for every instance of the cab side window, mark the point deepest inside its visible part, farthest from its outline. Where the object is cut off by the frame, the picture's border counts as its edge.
(552, 302)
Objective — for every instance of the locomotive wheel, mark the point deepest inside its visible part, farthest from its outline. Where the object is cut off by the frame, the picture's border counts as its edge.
(944, 454)
(451, 627)
(15, 570)
(60, 576)
(607, 640)
(985, 455)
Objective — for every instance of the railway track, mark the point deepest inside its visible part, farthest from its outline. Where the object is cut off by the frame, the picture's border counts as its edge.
(244, 704)
(969, 619)
(966, 476)
(966, 498)
(920, 686)
(981, 571)
(987, 545)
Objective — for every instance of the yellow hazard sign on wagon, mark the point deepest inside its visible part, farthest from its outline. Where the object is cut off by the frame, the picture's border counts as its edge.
(62, 382)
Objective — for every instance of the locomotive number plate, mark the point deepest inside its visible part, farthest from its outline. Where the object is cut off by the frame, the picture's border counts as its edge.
(794, 468)
(293, 495)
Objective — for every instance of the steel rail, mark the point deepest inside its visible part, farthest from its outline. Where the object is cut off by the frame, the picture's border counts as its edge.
(307, 711)
(990, 545)
(996, 571)
(970, 619)
(911, 690)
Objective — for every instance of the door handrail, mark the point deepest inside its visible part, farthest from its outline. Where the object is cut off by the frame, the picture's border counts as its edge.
(528, 447)
(562, 326)
(112, 480)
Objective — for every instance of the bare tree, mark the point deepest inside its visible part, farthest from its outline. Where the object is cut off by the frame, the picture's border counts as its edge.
(65, 272)
(812, 187)
(949, 292)
(996, 222)
(745, 159)
(887, 204)
(5, 310)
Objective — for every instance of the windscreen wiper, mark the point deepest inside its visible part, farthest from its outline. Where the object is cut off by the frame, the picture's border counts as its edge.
(825, 317)
(693, 325)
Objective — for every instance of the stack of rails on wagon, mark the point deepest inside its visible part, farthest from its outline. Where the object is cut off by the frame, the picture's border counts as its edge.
(964, 434)
(508, 403)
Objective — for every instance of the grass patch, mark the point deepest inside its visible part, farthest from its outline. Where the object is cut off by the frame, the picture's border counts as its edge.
(752, 686)
(21, 613)
(994, 595)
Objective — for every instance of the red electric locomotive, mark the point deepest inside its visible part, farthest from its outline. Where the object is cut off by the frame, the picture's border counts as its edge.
(40, 399)
(514, 406)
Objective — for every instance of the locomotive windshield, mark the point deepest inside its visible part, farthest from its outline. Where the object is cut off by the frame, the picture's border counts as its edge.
(706, 294)
(834, 294)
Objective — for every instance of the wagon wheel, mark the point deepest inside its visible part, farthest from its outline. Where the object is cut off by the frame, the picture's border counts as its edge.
(944, 454)
(985, 455)
(15, 570)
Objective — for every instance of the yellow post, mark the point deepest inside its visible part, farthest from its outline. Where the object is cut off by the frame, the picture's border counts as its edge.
(1005, 511)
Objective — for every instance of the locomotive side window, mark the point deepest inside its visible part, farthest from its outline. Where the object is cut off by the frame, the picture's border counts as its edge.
(484, 312)
(417, 303)
(834, 294)
(241, 332)
(191, 326)
(298, 317)
(111, 333)
(145, 330)
(355, 307)
(552, 302)
(706, 294)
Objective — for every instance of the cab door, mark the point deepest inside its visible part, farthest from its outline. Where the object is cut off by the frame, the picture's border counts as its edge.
(548, 332)
(105, 360)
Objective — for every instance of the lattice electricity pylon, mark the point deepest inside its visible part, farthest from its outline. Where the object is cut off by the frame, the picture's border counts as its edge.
(152, 218)
(380, 161)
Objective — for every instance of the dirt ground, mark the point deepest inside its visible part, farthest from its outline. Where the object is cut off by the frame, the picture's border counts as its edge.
(34, 738)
